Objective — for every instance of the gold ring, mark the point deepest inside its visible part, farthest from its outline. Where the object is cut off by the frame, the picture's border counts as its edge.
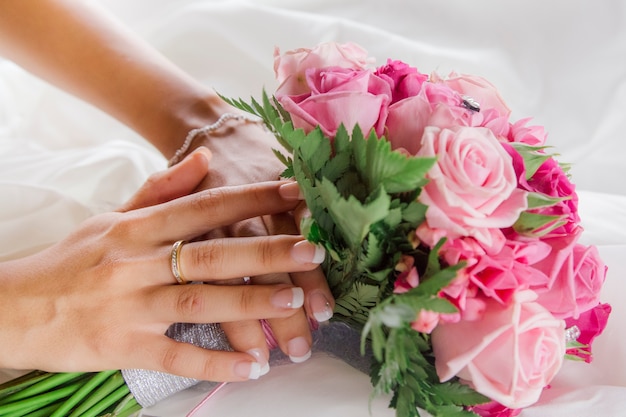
(175, 259)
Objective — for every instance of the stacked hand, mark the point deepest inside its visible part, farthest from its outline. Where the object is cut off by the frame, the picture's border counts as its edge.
(103, 297)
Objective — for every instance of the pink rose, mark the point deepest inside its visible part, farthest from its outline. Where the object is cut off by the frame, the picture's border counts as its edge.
(291, 66)
(500, 275)
(494, 409)
(551, 180)
(404, 80)
(408, 277)
(591, 324)
(478, 88)
(426, 321)
(340, 95)
(509, 356)
(530, 135)
(576, 275)
(472, 189)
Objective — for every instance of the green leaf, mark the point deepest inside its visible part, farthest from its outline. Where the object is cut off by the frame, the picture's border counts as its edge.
(537, 225)
(457, 393)
(381, 166)
(351, 217)
(533, 157)
(538, 200)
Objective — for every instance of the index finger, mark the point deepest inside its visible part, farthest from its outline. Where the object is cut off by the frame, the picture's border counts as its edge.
(196, 214)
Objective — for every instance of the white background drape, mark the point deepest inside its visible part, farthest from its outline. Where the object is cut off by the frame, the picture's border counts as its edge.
(561, 62)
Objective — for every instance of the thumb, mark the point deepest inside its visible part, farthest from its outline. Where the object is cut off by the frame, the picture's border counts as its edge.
(177, 181)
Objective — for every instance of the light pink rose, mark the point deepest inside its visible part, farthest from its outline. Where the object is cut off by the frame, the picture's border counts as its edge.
(530, 135)
(340, 95)
(478, 88)
(576, 275)
(436, 105)
(291, 66)
(426, 321)
(591, 324)
(473, 187)
(509, 356)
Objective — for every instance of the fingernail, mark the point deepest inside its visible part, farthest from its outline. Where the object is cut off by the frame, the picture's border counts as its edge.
(261, 359)
(248, 370)
(306, 252)
(298, 349)
(290, 191)
(320, 307)
(288, 298)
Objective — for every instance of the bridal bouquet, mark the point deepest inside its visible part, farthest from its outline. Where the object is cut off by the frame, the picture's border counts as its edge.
(452, 231)
(452, 235)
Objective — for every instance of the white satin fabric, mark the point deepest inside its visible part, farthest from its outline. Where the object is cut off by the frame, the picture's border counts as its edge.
(561, 62)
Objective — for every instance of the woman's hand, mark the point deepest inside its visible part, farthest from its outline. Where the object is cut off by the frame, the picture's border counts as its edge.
(243, 154)
(103, 297)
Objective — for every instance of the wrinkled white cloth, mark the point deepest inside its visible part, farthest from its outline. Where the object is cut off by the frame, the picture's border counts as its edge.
(560, 62)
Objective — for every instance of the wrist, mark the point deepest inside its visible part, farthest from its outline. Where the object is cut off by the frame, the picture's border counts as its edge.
(179, 120)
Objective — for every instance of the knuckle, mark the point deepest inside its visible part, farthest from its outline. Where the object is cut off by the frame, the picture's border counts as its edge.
(246, 301)
(170, 359)
(266, 252)
(212, 201)
(210, 368)
(189, 303)
(209, 257)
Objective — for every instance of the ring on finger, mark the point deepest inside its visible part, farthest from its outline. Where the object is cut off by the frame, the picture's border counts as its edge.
(175, 262)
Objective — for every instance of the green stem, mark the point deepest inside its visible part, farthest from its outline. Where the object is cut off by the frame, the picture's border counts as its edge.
(22, 382)
(28, 405)
(43, 412)
(79, 395)
(107, 402)
(128, 411)
(127, 402)
(110, 385)
(43, 386)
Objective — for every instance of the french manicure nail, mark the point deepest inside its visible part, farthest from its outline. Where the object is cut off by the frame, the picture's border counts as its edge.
(298, 349)
(306, 252)
(290, 191)
(288, 298)
(248, 370)
(261, 359)
(320, 307)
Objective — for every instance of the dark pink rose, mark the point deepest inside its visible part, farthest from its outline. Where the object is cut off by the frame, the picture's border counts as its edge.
(494, 409)
(591, 324)
(340, 95)
(500, 275)
(551, 180)
(576, 275)
(404, 80)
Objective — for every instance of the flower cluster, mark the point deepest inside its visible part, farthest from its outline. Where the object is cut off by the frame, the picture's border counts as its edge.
(500, 214)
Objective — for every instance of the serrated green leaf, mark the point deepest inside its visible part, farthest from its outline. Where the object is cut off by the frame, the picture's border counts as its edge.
(436, 282)
(457, 393)
(381, 166)
(414, 213)
(351, 217)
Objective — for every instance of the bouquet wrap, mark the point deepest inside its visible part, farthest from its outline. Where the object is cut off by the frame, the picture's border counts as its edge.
(149, 387)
